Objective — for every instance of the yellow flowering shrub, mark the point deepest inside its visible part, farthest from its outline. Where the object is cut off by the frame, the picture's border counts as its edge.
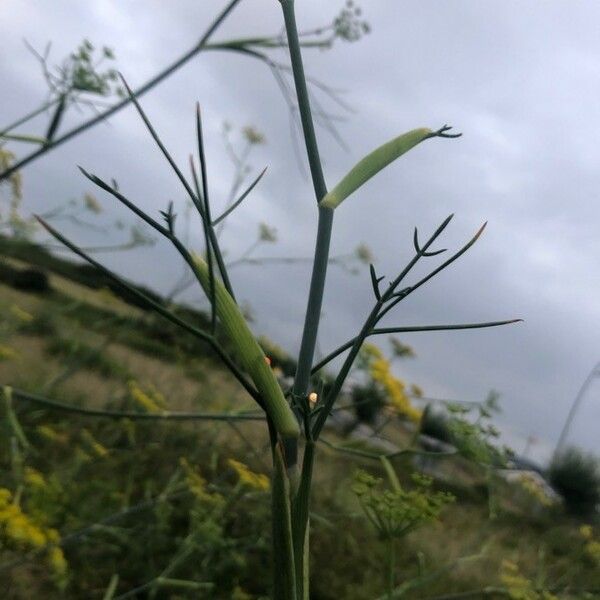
(591, 546)
(257, 481)
(151, 401)
(33, 478)
(534, 489)
(380, 371)
(20, 315)
(50, 434)
(195, 482)
(22, 532)
(518, 586)
(93, 444)
(7, 353)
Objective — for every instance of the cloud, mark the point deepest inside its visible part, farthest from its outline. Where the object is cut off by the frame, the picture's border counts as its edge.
(521, 82)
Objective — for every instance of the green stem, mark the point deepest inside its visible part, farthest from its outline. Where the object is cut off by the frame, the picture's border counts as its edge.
(300, 522)
(391, 562)
(308, 128)
(284, 570)
(29, 116)
(317, 284)
(119, 414)
(315, 301)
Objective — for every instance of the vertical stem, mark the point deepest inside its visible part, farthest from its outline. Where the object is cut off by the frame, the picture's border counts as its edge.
(391, 562)
(315, 301)
(300, 522)
(284, 568)
(310, 139)
(317, 284)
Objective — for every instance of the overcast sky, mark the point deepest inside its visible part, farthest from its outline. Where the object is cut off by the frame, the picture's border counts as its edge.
(520, 80)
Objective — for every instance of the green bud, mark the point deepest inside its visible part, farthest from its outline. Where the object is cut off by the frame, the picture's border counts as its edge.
(373, 163)
(250, 354)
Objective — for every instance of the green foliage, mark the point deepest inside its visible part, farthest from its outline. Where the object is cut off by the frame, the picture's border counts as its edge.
(576, 476)
(473, 434)
(80, 71)
(396, 512)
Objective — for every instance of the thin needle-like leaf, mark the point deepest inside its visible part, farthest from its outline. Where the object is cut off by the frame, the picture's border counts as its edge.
(409, 329)
(209, 258)
(433, 273)
(240, 199)
(117, 414)
(161, 310)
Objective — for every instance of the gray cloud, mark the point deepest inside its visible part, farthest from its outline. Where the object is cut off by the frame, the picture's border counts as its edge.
(520, 80)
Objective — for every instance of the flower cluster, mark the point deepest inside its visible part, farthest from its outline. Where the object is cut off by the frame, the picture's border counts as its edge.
(151, 401)
(93, 444)
(591, 546)
(348, 25)
(194, 481)
(252, 135)
(20, 315)
(7, 353)
(473, 436)
(50, 434)
(380, 371)
(20, 531)
(532, 486)
(395, 513)
(257, 481)
(518, 586)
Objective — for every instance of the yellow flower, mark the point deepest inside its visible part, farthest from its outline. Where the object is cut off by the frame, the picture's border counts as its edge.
(586, 532)
(7, 353)
(380, 371)
(195, 482)
(52, 435)
(96, 447)
(20, 314)
(57, 560)
(151, 401)
(592, 550)
(34, 478)
(518, 586)
(22, 531)
(532, 487)
(258, 481)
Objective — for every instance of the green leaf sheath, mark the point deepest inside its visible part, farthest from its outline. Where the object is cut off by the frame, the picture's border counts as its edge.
(250, 354)
(371, 164)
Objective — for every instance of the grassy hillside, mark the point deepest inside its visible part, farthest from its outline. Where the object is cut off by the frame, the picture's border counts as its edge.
(158, 506)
